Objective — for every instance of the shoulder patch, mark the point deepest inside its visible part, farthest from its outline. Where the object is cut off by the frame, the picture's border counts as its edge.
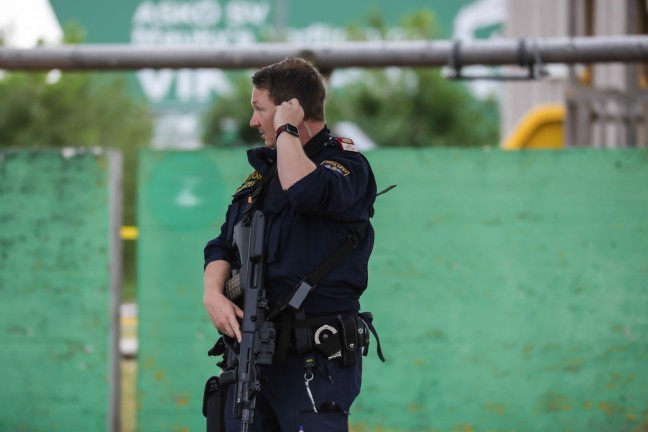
(336, 166)
(249, 182)
(346, 144)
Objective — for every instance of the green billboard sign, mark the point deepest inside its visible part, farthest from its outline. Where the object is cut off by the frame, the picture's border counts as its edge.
(179, 96)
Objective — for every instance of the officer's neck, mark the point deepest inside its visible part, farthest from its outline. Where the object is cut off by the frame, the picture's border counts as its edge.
(309, 128)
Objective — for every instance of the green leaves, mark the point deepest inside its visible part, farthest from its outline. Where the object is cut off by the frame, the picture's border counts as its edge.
(80, 110)
(414, 108)
(396, 107)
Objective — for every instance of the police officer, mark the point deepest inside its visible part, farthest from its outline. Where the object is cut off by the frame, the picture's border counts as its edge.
(319, 191)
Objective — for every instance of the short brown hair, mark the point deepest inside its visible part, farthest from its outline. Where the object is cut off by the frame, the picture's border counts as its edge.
(294, 78)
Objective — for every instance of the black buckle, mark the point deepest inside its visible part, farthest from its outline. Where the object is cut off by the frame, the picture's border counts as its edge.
(531, 60)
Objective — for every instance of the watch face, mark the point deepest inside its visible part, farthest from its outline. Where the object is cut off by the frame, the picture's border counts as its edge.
(291, 129)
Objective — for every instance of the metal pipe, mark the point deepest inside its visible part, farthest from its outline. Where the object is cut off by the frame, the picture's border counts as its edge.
(623, 49)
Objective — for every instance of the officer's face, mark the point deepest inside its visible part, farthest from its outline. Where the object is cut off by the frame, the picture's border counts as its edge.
(263, 111)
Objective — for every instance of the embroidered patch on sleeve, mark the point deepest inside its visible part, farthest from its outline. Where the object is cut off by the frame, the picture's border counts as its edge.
(336, 166)
(249, 182)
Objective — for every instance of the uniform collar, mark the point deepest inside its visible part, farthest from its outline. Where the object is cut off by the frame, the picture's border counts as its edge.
(262, 157)
(316, 144)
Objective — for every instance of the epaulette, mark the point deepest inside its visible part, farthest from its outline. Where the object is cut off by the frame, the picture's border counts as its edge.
(249, 182)
(344, 144)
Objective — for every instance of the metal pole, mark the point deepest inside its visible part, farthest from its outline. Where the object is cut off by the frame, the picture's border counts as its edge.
(624, 49)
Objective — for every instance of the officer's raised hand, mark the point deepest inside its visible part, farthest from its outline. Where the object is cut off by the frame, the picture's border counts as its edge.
(292, 162)
(289, 112)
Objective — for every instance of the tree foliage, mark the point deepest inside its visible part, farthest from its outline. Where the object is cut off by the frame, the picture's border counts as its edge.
(415, 108)
(226, 122)
(77, 110)
(394, 106)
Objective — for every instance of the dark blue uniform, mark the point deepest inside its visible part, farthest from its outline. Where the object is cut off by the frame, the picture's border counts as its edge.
(305, 225)
(308, 222)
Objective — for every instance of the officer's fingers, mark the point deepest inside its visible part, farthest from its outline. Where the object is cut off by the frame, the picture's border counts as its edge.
(219, 321)
(221, 314)
(238, 311)
(236, 330)
(214, 316)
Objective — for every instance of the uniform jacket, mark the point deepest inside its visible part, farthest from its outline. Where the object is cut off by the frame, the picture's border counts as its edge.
(308, 222)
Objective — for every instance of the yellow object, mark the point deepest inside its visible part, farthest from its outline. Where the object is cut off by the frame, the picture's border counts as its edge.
(542, 128)
(129, 233)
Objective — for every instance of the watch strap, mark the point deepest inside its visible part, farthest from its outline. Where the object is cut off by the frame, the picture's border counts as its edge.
(292, 130)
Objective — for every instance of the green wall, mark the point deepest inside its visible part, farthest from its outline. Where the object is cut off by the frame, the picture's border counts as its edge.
(57, 276)
(182, 196)
(510, 289)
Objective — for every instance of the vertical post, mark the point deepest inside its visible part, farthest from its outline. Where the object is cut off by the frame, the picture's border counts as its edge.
(570, 132)
(633, 15)
(115, 197)
(281, 12)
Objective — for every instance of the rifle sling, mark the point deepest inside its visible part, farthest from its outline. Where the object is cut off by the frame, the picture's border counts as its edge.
(296, 299)
(352, 241)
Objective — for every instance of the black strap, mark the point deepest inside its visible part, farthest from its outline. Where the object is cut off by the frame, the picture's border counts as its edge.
(352, 241)
(296, 299)
(284, 337)
(367, 317)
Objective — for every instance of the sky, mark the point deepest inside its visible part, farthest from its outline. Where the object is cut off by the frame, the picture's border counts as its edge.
(24, 22)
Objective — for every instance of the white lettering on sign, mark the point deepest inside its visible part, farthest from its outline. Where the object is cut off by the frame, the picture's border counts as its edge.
(196, 23)
(190, 85)
(156, 84)
(229, 36)
(209, 82)
(240, 13)
(184, 85)
(202, 13)
(317, 32)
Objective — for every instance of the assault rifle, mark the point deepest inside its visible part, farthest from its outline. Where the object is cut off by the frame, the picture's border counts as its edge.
(257, 334)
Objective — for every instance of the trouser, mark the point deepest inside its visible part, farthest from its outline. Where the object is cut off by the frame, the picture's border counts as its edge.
(284, 405)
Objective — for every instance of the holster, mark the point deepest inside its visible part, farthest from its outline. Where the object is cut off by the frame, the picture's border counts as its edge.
(303, 335)
(214, 405)
(215, 398)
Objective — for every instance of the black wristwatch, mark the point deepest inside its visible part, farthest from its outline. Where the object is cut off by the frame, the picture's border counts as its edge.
(292, 130)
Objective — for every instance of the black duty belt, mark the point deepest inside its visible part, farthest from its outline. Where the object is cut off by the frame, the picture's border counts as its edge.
(333, 335)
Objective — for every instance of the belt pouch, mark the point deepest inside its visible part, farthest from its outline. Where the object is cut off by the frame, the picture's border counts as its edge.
(349, 338)
(363, 335)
